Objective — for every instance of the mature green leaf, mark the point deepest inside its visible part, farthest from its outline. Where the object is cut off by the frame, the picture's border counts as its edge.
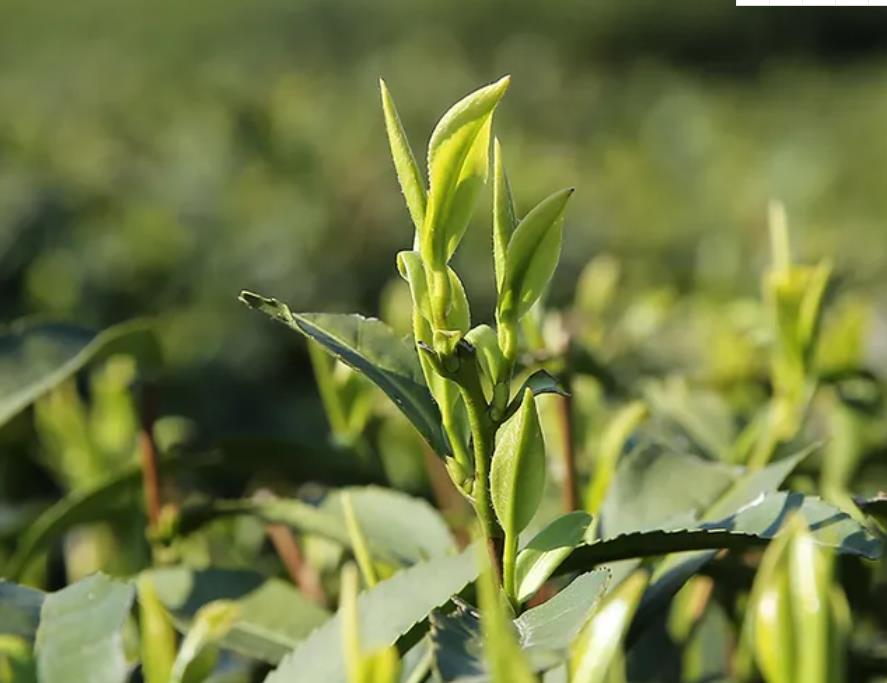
(232, 458)
(386, 613)
(408, 174)
(36, 356)
(532, 255)
(504, 220)
(79, 507)
(553, 625)
(753, 525)
(80, 637)
(653, 484)
(545, 632)
(399, 528)
(273, 617)
(458, 157)
(537, 561)
(371, 347)
(396, 525)
(19, 610)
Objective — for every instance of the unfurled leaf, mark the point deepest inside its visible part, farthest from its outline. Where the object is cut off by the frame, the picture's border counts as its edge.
(532, 256)
(408, 174)
(599, 643)
(272, 616)
(156, 633)
(386, 613)
(80, 637)
(370, 347)
(36, 356)
(504, 220)
(458, 158)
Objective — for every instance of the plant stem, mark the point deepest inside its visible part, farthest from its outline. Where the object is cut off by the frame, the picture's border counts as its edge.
(482, 432)
(565, 412)
(148, 451)
(509, 559)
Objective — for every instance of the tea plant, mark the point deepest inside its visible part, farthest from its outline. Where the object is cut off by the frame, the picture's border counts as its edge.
(653, 572)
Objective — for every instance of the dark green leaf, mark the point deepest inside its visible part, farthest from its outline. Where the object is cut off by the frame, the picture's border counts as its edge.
(80, 637)
(386, 613)
(371, 347)
(753, 525)
(272, 616)
(36, 356)
(19, 610)
(540, 382)
(545, 631)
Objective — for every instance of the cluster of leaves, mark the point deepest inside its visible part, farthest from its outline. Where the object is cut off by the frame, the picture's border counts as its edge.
(595, 499)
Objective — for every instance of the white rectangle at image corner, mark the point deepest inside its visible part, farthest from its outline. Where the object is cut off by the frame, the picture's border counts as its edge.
(752, 3)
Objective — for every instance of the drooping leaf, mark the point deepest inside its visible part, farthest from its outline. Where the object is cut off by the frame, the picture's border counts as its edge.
(272, 616)
(408, 175)
(80, 637)
(19, 610)
(371, 347)
(458, 158)
(386, 613)
(532, 255)
(504, 220)
(36, 356)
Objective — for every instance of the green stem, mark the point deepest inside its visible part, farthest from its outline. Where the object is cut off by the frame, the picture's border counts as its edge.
(509, 560)
(482, 432)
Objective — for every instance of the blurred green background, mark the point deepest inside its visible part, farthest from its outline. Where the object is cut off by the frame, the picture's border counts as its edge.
(155, 158)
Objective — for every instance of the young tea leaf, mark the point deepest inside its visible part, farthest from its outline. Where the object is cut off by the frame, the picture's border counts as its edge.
(457, 169)
(504, 220)
(532, 256)
(408, 174)
(517, 477)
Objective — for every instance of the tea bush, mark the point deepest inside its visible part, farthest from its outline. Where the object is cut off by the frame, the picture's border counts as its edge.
(638, 487)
